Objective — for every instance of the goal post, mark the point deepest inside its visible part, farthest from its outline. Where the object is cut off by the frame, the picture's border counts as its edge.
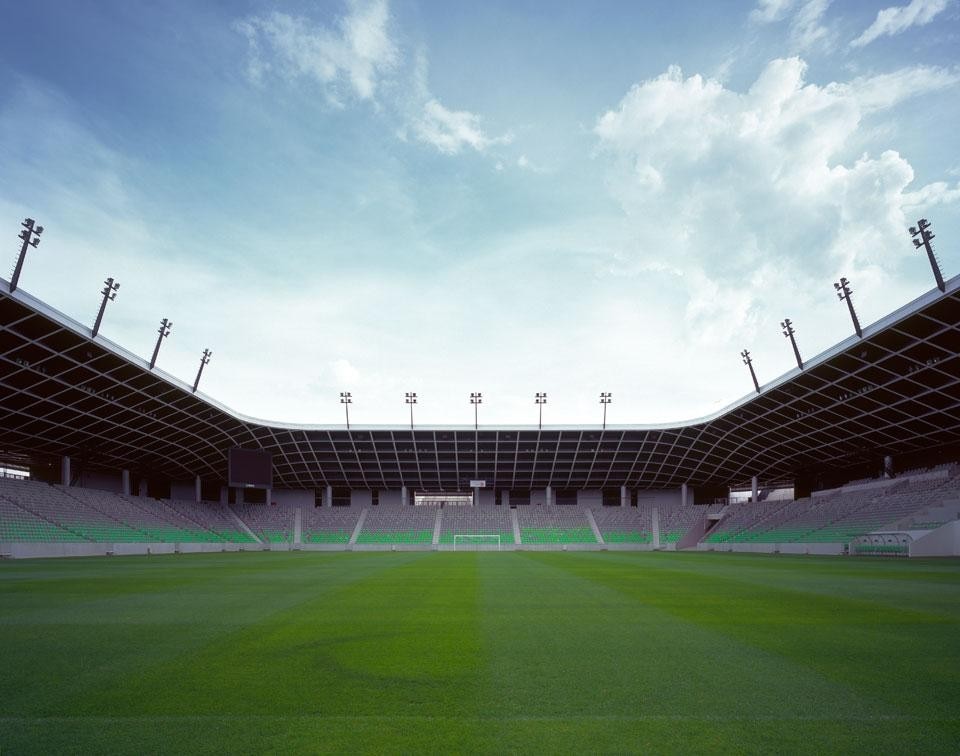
(475, 540)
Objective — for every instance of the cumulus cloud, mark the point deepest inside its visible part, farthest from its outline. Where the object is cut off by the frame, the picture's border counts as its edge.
(348, 59)
(735, 184)
(899, 18)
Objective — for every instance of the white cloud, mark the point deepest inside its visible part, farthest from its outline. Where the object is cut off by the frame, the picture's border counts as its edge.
(452, 130)
(357, 58)
(748, 194)
(807, 29)
(768, 11)
(348, 59)
(899, 18)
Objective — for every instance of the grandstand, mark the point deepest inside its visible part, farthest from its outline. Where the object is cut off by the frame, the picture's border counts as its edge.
(121, 457)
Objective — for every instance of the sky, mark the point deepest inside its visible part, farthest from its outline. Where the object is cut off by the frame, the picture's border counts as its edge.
(383, 196)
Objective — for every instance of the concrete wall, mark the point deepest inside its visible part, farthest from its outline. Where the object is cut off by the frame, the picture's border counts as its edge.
(822, 549)
(390, 498)
(656, 498)
(538, 497)
(293, 497)
(487, 496)
(590, 498)
(183, 490)
(101, 481)
(361, 498)
(52, 550)
(944, 541)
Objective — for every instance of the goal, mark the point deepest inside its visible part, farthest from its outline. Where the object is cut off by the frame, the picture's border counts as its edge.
(462, 541)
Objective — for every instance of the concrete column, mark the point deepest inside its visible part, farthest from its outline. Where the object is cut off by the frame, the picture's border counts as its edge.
(624, 497)
(404, 496)
(549, 495)
(239, 496)
(142, 488)
(505, 498)
(125, 482)
(224, 495)
(269, 495)
(655, 522)
(888, 466)
(65, 477)
(683, 494)
(328, 500)
(197, 490)
(755, 489)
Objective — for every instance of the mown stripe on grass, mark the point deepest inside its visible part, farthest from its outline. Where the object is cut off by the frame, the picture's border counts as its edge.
(896, 657)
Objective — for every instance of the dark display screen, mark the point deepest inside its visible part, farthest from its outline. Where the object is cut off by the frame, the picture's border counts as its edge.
(250, 468)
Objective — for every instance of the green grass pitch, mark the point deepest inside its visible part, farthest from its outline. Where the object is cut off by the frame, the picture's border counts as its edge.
(495, 652)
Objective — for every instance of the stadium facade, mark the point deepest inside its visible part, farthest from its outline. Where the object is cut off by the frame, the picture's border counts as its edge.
(74, 405)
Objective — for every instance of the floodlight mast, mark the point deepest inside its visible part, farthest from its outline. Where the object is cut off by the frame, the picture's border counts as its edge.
(787, 326)
(749, 363)
(346, 399)
(844, 294)
(109, 292)
(540, 398)
(163, 331)
(922, 230)
(204, 360)
(605, 398)
(31, 238)
(411, 399)
(476, 398)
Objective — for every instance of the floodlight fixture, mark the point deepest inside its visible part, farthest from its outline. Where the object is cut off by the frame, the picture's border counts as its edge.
(787, 325)
(110, 289)
(163, 332)
(30, 235)
(845, 294)
(204, 360)
(745, 354)
(605, 398)
(540, 398)
(476, 399)
(922, 237)
(411, 399)
(346, 399)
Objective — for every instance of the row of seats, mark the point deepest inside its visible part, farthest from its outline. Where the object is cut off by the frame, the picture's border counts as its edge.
(34, 511)
(843, 515)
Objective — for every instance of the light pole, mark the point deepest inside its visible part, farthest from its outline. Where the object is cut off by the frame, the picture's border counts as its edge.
(749, 363)
(476, 399)
(844, 294)
(109, 292)
(411, 400)
(787, 326)
(30, 229)
(204, 360)
(164, 331)
(346, 399)
(605, 398)
(540, 398)
(924, 241)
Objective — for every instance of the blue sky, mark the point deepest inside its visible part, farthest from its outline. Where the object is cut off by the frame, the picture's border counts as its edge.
(509, 197)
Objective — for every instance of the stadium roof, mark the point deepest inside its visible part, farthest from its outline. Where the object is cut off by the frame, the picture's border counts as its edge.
(895, 391)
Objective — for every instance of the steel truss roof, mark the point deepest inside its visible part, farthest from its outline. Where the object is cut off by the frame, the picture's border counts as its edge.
(895, 391)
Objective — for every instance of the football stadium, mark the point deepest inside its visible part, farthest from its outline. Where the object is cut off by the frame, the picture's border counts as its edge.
(761, 579)
(352, 523)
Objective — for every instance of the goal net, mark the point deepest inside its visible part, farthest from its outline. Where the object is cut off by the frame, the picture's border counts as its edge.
(475, 542)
